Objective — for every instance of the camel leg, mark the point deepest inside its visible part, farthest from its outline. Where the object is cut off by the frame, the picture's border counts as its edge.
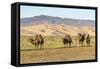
(89, 43)
(35, 47)
(82, 43)
(38, 47)
(41, 46)
(65, 45)
(69, 44)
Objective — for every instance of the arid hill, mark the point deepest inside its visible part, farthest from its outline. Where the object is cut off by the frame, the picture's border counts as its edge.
(55, 26)
(55, 30)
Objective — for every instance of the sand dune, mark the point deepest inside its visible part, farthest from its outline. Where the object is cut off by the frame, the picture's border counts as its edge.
(54, 30)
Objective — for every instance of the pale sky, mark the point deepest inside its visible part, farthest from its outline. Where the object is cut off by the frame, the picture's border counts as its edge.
(83, 14)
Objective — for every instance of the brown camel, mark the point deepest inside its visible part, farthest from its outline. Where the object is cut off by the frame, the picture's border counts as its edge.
(82, 38)
(38, 41)
(88, 40)
(67, 40)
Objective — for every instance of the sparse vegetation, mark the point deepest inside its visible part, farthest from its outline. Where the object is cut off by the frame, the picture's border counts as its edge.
(49, 42)
(53, 50)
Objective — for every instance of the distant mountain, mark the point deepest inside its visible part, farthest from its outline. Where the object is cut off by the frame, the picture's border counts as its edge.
(42, 19)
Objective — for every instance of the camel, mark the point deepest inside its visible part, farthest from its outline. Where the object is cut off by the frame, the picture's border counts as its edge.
(67, 40)
(82, 38)
(38, 41)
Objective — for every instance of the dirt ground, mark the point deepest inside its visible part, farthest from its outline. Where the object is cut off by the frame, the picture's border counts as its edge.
(58, 54)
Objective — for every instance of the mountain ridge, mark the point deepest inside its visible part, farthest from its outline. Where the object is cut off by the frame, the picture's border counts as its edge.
(41, 19)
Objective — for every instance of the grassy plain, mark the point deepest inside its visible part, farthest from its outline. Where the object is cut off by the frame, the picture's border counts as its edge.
(53, 50)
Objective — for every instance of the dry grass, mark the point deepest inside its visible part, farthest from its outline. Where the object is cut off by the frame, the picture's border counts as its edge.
(57, 54)
(53, 51)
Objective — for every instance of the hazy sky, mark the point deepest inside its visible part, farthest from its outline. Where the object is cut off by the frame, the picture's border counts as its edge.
(84, 14)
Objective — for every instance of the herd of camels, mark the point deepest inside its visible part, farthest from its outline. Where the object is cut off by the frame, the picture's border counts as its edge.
(67, 40)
